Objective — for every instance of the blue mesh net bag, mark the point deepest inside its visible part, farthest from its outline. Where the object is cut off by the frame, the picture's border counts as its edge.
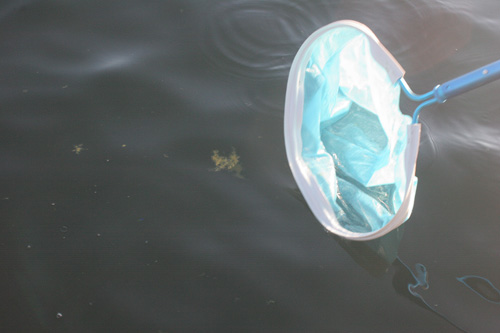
(351, 150)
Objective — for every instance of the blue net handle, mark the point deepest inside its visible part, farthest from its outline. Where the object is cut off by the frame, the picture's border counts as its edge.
(454, 87)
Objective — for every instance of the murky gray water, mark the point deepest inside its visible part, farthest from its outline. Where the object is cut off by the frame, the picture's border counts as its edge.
(145, 187)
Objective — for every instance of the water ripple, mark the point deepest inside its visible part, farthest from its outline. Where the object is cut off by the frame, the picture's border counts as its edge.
(257, 39)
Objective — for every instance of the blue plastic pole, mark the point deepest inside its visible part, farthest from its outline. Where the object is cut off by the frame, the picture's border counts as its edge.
(469, 81)
(411, 95)
(454, 87)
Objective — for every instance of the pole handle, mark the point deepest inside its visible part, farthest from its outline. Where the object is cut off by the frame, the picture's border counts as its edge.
(467, 82)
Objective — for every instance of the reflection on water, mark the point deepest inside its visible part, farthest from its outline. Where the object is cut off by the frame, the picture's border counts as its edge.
(256, 39)
(429, 35)
(259, 39)
(427, 151)
(482, 287)
(407, 283)
(377, 256)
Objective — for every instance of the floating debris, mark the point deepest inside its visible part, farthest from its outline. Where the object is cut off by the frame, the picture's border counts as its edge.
(230, 163)
(77, 149)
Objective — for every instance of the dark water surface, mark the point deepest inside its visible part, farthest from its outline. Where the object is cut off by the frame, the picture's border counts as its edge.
(145, 187)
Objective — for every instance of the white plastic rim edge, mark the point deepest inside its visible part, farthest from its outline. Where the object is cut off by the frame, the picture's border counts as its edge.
(294, 103)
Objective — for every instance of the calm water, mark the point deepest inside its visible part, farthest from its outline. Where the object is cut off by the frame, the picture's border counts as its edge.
(145, 187)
